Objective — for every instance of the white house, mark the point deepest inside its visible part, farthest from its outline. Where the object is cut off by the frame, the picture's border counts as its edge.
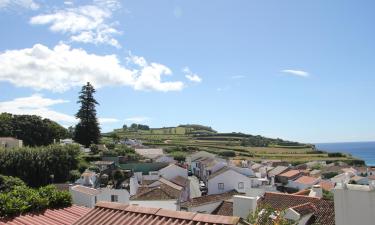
(165, 159)
(173, 171)
(88, 179)
(10, 142)
(227, 179)
(360, 180)
(206, 204)
(88, 197)
(304, 182)
(354, 204)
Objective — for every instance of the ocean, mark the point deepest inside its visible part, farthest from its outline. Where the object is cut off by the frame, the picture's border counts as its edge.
(362, 150)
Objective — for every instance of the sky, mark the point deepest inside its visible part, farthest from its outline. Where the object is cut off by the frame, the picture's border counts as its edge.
(298, 70)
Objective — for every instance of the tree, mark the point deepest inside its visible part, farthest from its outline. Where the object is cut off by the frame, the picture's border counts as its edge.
(87, 131)
(31, 129)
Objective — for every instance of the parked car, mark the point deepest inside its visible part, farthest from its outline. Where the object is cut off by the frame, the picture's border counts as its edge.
(202, 185)
(190, 173)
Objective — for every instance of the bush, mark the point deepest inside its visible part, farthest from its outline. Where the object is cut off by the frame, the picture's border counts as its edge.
(94, 169)
(179, 156)
(329, 175)
(74, 175)
(17, 198)
(227, 153)
(36, 165)
(335, 154)
(94, 149)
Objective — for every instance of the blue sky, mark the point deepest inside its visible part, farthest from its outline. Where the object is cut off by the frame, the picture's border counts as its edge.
(299, 70)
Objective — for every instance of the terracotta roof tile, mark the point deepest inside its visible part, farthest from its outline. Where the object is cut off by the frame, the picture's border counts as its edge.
(307, 180)
(208, 199)
(67, 215)
(115, 213)
(290, 173)
(224, 209)
(325, 210)
(181, 181)
(326, 185)
(305, 208)
(86, 190)
(161, 192)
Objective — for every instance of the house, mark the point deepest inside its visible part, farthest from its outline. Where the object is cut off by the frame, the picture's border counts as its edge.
(343, 176)
(67, 141)
(207, 203)
(303, 182)
(104, 165)
(301, 209)
(88, 197)
(115, 213)
(149, 153)
(67, 215)
(354, 204)
(88, 179)
(326, 185)
(227, 179)
(359, 180)
(162, 193)
(286, 176)
(10, 142)
(165, 159)
(173, 171)
(277, 170)
(194, 161)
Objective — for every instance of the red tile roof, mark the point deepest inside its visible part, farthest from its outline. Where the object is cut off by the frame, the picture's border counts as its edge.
(305, 208)
(115, 213)
(290, 173)
(208, 199)
(64, 216)
(181, 181)
(85, 190)
(224, 209)
(325, 210)
(326, 185)
(161, 192)
(307, 180)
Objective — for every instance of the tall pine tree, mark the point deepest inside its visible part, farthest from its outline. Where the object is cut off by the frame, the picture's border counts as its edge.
(87, 131)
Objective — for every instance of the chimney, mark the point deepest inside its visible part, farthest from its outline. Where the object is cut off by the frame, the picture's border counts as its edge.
(244, 205)
(316, 191)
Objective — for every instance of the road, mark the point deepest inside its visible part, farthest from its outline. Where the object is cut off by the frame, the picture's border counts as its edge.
(194, 187)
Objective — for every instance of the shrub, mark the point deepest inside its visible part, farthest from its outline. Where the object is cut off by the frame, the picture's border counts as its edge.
(227, 153)
(74, 175)
(94, 149)
(335, 154)
(179, 156)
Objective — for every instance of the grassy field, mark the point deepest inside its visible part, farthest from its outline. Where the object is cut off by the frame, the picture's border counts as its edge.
(179, 137)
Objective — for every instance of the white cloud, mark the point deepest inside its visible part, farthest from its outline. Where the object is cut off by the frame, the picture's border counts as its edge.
(137, 119)
(108, 120)
(14, 4)
(62, 68)
(87, 23)
(299, 73)
(36, 105)
(193, 77)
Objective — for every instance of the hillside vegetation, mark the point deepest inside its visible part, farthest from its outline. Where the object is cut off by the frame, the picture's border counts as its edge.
(189, 137)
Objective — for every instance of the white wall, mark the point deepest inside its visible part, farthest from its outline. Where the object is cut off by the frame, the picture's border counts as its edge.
(173, 171)
(355, 205)
(105, 195)
(82, 199)
(164, 204)
(230, 179)
(133, 186)
(244, 205)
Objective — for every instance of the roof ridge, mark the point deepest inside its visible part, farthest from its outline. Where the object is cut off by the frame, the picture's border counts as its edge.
(304, 196)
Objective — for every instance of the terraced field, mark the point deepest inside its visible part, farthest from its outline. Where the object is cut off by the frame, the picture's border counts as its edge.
(209, 140)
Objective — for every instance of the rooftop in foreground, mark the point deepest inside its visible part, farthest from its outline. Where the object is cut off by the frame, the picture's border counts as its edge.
(116, 213)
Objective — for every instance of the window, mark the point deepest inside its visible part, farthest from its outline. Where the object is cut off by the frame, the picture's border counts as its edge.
(240, 185)
(96, 199)
(114, 198)
(220, 186)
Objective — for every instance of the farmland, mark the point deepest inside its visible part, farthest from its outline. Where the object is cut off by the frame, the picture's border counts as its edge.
(195, 137)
